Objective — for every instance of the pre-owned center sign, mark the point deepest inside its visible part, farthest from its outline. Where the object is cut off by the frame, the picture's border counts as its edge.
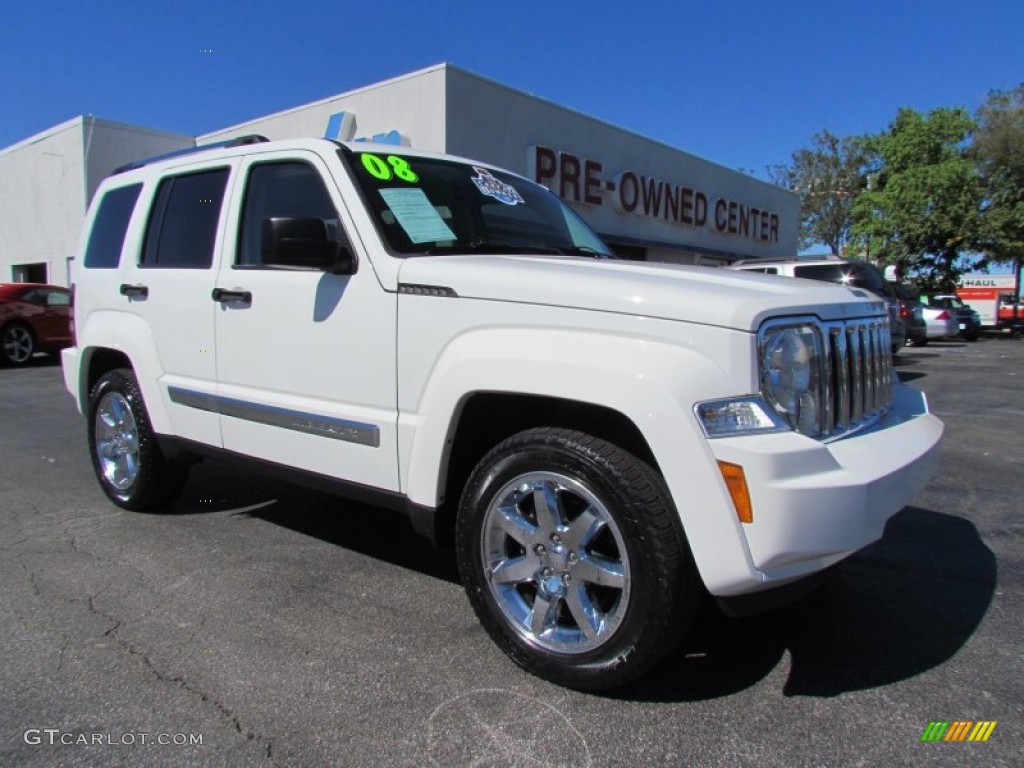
(583, 180)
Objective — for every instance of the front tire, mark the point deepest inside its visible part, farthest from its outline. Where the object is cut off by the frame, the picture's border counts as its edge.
(17, 344)
(126, 457)
(573, 558)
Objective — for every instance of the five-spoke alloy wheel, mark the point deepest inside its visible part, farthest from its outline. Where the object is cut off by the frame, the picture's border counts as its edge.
(573, 557)
(17, 344)
(125, 454)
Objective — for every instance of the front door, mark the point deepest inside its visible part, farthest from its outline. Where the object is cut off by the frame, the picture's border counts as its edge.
(305, 359)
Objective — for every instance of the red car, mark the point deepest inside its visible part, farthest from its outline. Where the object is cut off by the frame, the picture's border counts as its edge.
(33, 318)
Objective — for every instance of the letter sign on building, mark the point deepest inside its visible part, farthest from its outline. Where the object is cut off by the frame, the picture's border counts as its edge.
(582, 180)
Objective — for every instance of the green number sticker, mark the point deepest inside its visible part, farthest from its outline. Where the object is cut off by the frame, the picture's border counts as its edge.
(402, 169)
(376, 167)
(395, 166)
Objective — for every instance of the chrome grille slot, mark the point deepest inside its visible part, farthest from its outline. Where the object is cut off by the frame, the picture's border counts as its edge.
(857, 374)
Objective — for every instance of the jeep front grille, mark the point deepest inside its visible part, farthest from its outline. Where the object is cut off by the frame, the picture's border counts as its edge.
(858, 373)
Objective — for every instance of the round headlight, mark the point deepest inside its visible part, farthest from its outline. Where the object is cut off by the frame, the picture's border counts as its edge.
(787, 369)
(789, 376)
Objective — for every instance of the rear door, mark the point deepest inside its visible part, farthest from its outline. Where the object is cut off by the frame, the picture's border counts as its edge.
(168, 284)
(305, 359)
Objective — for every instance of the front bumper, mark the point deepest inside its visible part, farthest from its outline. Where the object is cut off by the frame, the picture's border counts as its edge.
(816, 503)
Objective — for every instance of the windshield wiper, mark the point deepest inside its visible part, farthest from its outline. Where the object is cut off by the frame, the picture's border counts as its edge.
(585, 250)
(478, 246)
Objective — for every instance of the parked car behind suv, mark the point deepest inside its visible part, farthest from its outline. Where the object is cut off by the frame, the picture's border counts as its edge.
(856, 274)
(968, 320)
(912, 312)
(601, 441)
(33, 318)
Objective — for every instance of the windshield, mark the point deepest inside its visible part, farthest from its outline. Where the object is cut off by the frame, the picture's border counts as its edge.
(424, 206)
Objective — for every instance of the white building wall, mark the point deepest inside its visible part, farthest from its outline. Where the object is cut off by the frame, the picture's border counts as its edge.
(47, 180)
(42, 203)
(412, 105)
(109, 145)
(496, 123)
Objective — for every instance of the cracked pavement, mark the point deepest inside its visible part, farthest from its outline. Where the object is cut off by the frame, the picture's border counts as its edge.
(287, 627)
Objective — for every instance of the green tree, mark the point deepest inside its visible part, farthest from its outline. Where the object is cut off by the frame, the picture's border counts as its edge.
(828, 176)
(922, 206)
(998, 150)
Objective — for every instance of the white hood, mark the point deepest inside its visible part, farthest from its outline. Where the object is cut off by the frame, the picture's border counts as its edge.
(706, 295)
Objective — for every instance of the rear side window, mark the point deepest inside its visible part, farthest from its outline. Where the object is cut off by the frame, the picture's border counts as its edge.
(182, 226)
(826, 273)
(857, 275)
(106, 240)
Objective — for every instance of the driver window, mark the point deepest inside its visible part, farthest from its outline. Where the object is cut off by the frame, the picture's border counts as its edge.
(284, 189)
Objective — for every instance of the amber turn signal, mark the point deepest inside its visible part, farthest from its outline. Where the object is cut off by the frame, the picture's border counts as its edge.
(737, 485)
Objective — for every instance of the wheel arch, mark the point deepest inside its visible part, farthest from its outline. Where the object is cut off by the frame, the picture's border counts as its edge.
(110, 340)
(98, 361)
(484, 419)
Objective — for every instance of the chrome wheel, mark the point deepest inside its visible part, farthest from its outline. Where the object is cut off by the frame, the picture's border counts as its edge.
(117, 441)
(555, 562)
(18, 344)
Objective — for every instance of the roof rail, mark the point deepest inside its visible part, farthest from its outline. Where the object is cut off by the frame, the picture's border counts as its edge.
(241, 141)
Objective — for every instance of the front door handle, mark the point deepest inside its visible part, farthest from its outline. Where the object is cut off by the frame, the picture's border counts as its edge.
(134, 291)
(226, 297)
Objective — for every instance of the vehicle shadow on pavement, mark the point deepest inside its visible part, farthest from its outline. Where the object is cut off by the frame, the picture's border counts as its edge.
(383, 534)
(893, 611)
(376, 532)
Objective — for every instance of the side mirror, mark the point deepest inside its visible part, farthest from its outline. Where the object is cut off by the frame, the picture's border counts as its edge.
(303, 242)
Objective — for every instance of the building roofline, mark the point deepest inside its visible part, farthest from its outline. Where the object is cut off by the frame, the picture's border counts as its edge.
(92, 121)
(46, 133)
(101, 121)
(606, 123)
(326, 99)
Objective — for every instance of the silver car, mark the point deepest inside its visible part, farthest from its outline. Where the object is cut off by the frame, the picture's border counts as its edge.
(941, 323)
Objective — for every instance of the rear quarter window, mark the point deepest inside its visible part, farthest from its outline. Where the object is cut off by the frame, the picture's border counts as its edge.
(103, 251)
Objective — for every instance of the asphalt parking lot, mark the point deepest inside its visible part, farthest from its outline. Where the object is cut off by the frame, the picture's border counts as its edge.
(279, 626)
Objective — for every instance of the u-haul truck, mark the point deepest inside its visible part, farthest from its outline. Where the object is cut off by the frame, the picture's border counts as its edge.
(992, 296)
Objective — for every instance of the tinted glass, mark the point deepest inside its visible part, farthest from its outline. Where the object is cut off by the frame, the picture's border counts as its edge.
(183, 223)
(856, 274)
(58, 299)
(106, 240)
(282, 190)
(826, 273)
(427, 206)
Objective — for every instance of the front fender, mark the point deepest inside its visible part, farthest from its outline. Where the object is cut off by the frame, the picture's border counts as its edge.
(654, 384)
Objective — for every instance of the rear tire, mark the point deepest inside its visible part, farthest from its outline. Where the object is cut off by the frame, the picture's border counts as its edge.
(126, 457)
(573, 557)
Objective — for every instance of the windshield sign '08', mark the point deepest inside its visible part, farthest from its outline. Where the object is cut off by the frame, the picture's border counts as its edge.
(424, 206)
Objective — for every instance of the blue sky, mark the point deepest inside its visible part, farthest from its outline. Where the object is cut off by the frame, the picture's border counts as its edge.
(740, 83)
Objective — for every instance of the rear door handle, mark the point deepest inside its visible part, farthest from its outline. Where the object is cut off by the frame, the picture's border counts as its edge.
(132, 291)
(226, 297)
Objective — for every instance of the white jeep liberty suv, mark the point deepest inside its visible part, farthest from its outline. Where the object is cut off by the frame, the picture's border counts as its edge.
(600, 440)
